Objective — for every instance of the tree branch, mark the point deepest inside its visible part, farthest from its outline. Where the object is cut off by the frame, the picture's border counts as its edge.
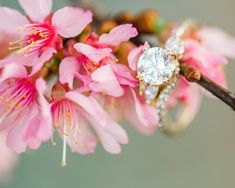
(193, 75)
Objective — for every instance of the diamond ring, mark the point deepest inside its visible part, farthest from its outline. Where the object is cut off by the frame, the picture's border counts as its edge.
(158, 73)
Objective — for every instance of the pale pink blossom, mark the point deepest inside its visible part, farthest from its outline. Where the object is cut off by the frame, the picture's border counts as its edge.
(94, 53)
(24, 111)
(113, 80)
(208, 52)
(40, 34)
(8, 159)
(137, 112)
(75, 114)
(218, 41)
(127, 103)
(208, 62)
(117, 35)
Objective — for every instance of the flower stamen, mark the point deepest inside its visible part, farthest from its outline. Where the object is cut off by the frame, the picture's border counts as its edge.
(36, 36)
(16, 96)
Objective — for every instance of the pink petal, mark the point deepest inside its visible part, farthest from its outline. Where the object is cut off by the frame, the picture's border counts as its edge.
(95, 54)
(70, 21)
(13, 71)
(145, 113)
(111, 107)
(86, 79)
(200, 57)
(110, 126)
(89, 104)
(86, 139)
(124, 75)
(37, 10)
(19, 59)
(45, 127)
(30, 136)
(207, 58)
(132, 119)
(218, 41)
(119, 34)
(67, 70)
(39, 128)
(135, 54)
(111, 135)
(34, 60)
(109, 143)
(6, 122)
(33, 130)
(10, 20)
(15, 136)
(116, 131)
(132, 111)
(15, 141)
(43, 58)
(105, 81)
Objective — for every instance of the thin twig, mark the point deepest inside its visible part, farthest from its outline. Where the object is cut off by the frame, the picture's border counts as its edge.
(193, 75)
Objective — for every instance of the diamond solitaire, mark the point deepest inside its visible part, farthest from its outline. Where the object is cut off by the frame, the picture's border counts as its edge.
(158, 73)
(156, 66)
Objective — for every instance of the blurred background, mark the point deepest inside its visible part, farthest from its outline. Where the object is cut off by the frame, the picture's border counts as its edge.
(203, 157)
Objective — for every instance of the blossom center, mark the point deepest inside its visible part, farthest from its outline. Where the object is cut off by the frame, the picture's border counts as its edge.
(36, 37)
(15, 96)
(65, 118)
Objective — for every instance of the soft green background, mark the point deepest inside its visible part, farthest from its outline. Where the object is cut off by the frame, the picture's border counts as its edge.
(204, 157)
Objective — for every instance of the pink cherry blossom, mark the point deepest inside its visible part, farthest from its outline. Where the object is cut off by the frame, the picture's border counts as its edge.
(94, 53)
(208, 53)
(208, 62)
(111, 79)
(24, 111)
(41, 33)
(117, 35)
(216, 40)
(73, 113)
(59, 75)
(128, 103)
(138, 113)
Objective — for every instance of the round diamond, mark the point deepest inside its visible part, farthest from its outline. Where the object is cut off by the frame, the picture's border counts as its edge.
(155, 66)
